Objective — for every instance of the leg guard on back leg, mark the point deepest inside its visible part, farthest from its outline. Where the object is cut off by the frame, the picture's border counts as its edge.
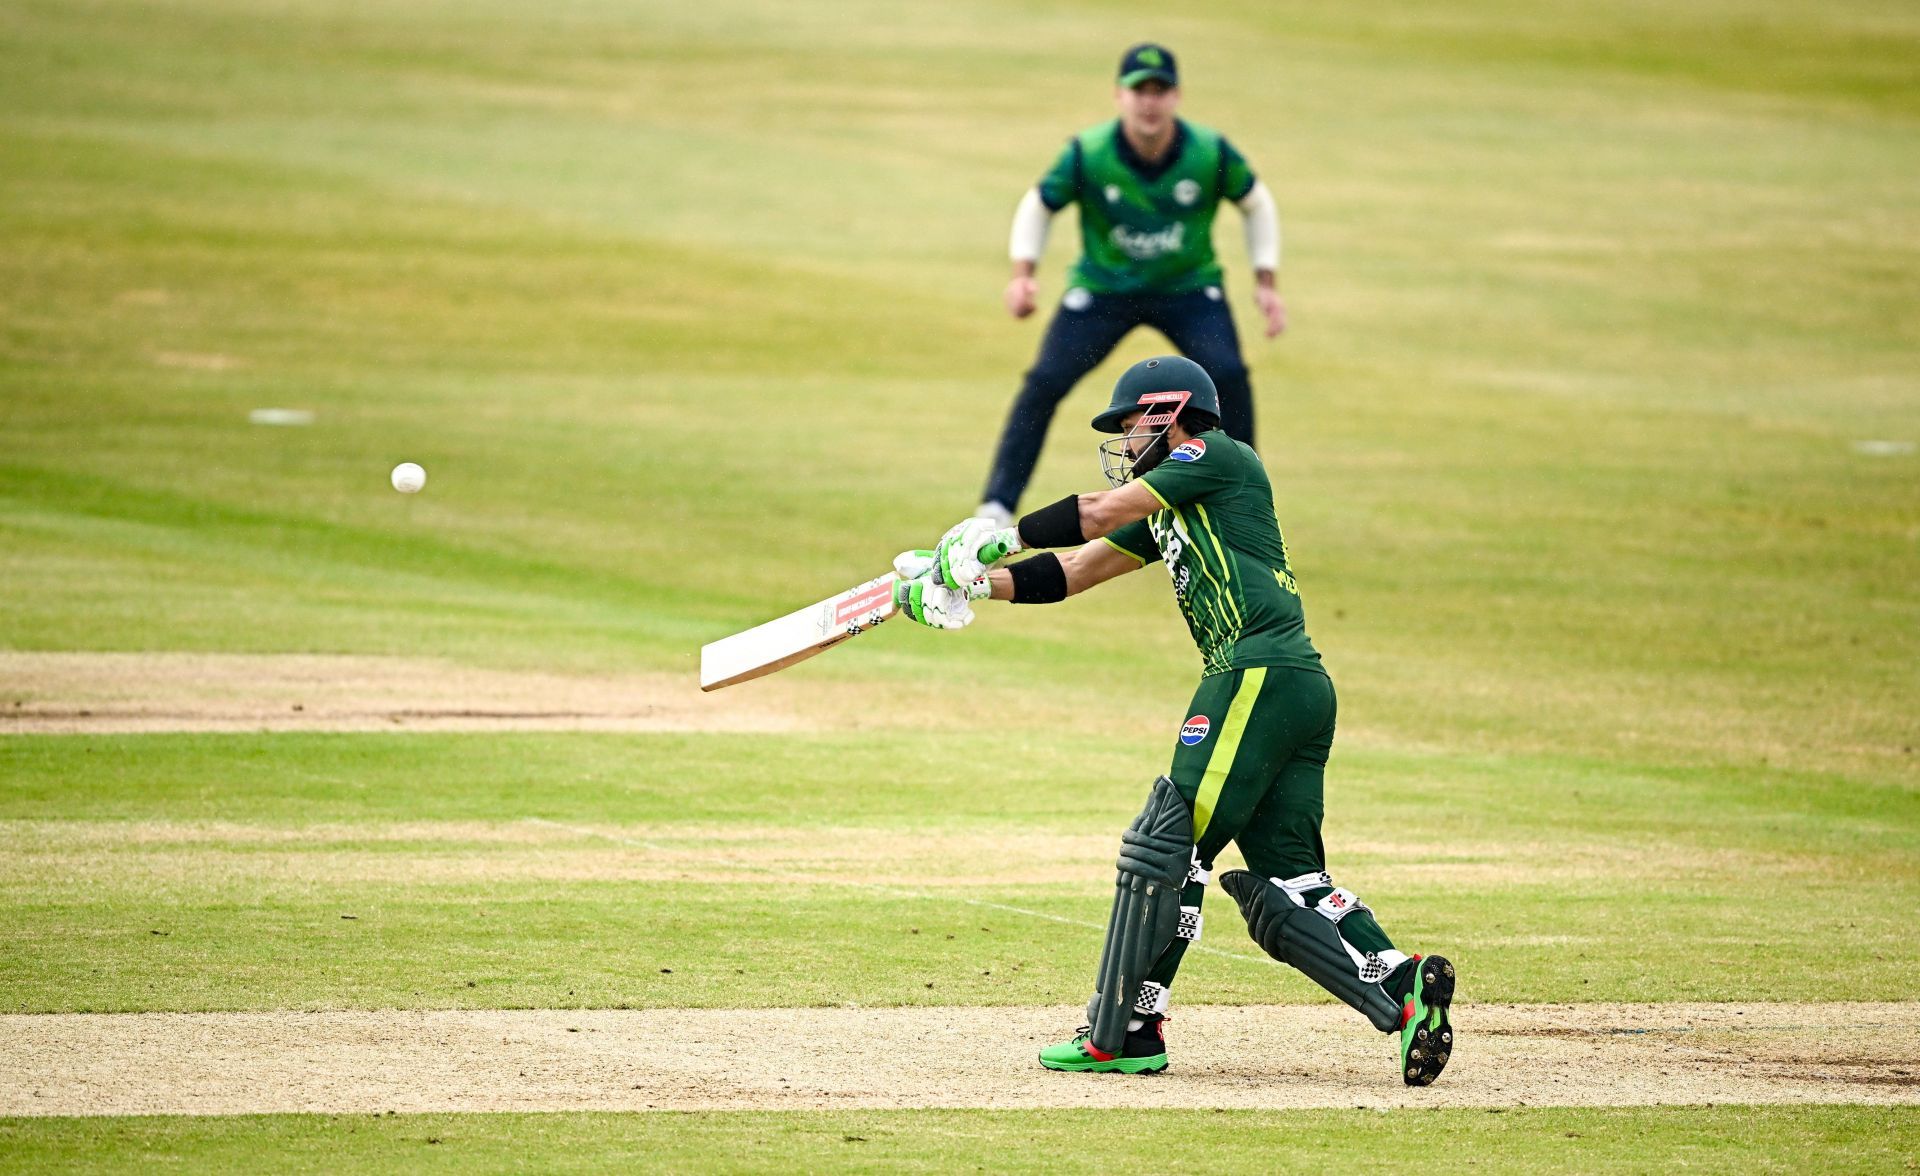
(1155, 853)
(1308, 937)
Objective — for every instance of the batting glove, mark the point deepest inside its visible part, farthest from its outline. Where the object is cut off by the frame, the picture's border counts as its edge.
(937, 606)
(972, 549)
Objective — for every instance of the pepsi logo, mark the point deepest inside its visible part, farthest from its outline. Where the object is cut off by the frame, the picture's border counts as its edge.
(1192, 450)
(1195, 729)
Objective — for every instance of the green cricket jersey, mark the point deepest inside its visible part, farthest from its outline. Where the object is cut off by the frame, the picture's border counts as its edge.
(1146, 228)
(1224, 550)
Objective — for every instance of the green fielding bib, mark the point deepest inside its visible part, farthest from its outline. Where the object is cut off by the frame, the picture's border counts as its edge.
(1146, 230)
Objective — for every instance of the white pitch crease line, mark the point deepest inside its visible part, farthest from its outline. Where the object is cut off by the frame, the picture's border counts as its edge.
(878, 887)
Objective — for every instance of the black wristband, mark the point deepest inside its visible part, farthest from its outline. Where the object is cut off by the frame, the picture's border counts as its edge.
(1040, 580)
(1057, 525)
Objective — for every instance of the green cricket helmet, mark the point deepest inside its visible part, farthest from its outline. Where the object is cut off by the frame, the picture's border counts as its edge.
(1159, 389)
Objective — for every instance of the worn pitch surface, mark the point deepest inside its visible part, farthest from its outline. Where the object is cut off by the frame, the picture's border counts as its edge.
(1271, 1056)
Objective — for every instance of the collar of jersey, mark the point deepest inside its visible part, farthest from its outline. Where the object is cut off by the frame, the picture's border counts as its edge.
(1140, 167)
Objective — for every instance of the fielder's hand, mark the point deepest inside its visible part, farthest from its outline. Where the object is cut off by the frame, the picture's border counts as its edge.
(971, 549)
(1022, 292)
(935, 606)
(1275, 310)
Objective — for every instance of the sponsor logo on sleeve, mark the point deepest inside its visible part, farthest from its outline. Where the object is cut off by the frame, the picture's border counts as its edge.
(1195, 729)
(1192, 450)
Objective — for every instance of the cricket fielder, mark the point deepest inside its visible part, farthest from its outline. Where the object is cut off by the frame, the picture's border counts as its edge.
(1148, 185)
(1249, 759)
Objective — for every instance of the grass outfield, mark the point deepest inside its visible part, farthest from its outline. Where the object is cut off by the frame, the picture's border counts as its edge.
(1593, 439)
(202, 872)
(1711, 1139)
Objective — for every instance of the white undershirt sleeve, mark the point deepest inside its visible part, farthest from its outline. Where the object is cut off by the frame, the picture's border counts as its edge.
(1263, 227)
(1030, 223)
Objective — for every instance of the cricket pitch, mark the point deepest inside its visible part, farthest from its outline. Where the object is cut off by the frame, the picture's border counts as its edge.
(1272, 1056)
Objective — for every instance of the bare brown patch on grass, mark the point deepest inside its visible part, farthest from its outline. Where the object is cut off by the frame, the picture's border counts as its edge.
(226, 853)
(219, 855)
(59, 693)
(200, 361)
(796, 1059)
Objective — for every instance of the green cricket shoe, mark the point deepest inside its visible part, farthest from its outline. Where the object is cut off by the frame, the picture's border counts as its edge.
(1143, 1052)
(1426, 1035)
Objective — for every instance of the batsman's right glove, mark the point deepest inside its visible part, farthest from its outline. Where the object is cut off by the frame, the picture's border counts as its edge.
(971, 549)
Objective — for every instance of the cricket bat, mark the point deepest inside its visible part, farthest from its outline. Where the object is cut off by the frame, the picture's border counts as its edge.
(797, 636)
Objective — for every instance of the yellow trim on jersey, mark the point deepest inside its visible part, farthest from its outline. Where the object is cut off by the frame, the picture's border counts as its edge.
(1220, 763)
(1227, 633)
(1156, 494)
(1226, 565)
(1201, 559)
(1134, 556)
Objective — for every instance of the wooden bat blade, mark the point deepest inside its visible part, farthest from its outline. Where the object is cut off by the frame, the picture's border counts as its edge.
(794, 638)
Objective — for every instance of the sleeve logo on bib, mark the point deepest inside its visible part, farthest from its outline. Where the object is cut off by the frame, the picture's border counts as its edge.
(1192, 450)
(1195, 729)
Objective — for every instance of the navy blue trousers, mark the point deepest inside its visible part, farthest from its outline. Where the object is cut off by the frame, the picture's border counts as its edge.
(1198, 324)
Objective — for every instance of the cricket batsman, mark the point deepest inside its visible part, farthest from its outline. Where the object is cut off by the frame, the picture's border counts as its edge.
(1148, 185)
(1250, 756)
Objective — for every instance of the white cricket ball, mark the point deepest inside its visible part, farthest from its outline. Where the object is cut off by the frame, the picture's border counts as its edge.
(408, 478)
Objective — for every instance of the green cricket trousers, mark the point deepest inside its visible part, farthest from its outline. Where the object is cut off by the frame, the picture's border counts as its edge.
(1251, 761)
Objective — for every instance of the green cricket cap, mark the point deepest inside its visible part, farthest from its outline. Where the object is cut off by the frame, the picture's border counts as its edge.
(1148, 62)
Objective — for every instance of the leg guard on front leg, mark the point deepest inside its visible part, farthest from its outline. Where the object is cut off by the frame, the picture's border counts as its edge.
(1308, 937)
(1156, 852)
(1154, 989)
